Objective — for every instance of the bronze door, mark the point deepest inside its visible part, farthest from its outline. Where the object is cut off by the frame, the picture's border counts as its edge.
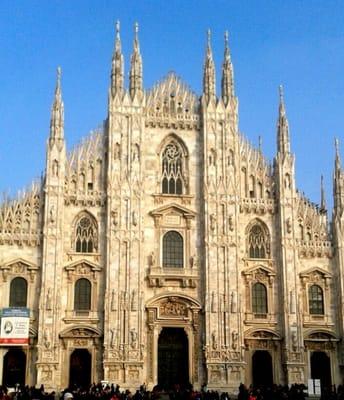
(173, 358)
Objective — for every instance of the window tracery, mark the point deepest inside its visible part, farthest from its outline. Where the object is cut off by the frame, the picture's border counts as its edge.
(86, 235)
(172, 163)
(258, 241)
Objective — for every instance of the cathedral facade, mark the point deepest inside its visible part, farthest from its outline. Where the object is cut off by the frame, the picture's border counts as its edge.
(165, 248)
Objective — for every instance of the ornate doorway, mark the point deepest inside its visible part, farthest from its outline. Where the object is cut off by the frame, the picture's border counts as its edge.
(262, 368)
(80, 368)
(321, 368)
(173, 358)
(14, 368)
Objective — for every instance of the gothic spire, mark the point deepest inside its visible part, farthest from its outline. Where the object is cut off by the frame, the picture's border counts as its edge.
(337, 159)
(135, 77)
(117, 71)
(283, 143)
(209, 72)
(227, 83)
(322, 195)
(57, 112)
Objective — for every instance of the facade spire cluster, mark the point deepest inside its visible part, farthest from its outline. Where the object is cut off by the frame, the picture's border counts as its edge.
(57, 112)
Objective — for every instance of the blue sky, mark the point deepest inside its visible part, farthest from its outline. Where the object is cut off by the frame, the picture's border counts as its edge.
(299, 44)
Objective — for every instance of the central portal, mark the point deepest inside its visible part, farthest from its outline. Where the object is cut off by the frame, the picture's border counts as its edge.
(173, 358)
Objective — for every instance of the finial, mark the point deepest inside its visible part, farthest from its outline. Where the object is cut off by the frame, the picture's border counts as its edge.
(58, 78)
(260, 141)
(281, 94)
(336, 144)
(118, 26)
(208, 39)
(136, 28)
(226, 38)
(322, 194)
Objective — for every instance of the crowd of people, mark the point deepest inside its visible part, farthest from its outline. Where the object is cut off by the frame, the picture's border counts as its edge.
(114, 392)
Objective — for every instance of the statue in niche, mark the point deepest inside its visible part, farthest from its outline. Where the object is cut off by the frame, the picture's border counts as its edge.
(133, 338)
(134, 218)
(112, 337)
(58, 300)
(113, 300)
(194, 261)
(52, 214)
(55, 168)
(213, 341)
(288, 224)
(48, 302)
(117, 151)
(152, 259)
(230, 223)
(46, 338)
(115, 217)
(233, 302)
(212, 222)
(235, 336)
(294, 339)
(133, 300)
(213, 302)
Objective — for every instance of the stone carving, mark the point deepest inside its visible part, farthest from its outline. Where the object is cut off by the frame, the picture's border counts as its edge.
(173, 308)
(194, 261)
(46, 338)
(133, 338)
(213, 302)
(212, 221)
(213, 340)
(288, 225)
(152, 259)
(114, 215)
(52, 215)
(48, 305)
(230, 223)
(233, 302)
(134, 300)
(113, 300)
(235, 336)
(134, 218)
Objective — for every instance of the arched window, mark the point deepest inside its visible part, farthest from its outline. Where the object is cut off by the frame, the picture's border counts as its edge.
(172, 169)
(173, 254)
(259, 299)
(258, 242)
(18, 292)
(86, 236)
(82, 295)
(316, 300)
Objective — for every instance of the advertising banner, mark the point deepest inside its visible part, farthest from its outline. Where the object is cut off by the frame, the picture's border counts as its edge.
(14, 330)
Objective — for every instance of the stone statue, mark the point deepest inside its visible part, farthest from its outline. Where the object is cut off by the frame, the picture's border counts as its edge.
(235, 336)
(46, 338)
(233, 302)
(133, 338)
(48, 300)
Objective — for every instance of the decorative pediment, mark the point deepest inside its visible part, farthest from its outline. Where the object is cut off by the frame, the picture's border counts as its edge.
(259, 273)
(172, 215)
(18, 266)
(82, 268)
(315, 274)
(320, 335)
(173, 307)
(265, 334)
(81, 332)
